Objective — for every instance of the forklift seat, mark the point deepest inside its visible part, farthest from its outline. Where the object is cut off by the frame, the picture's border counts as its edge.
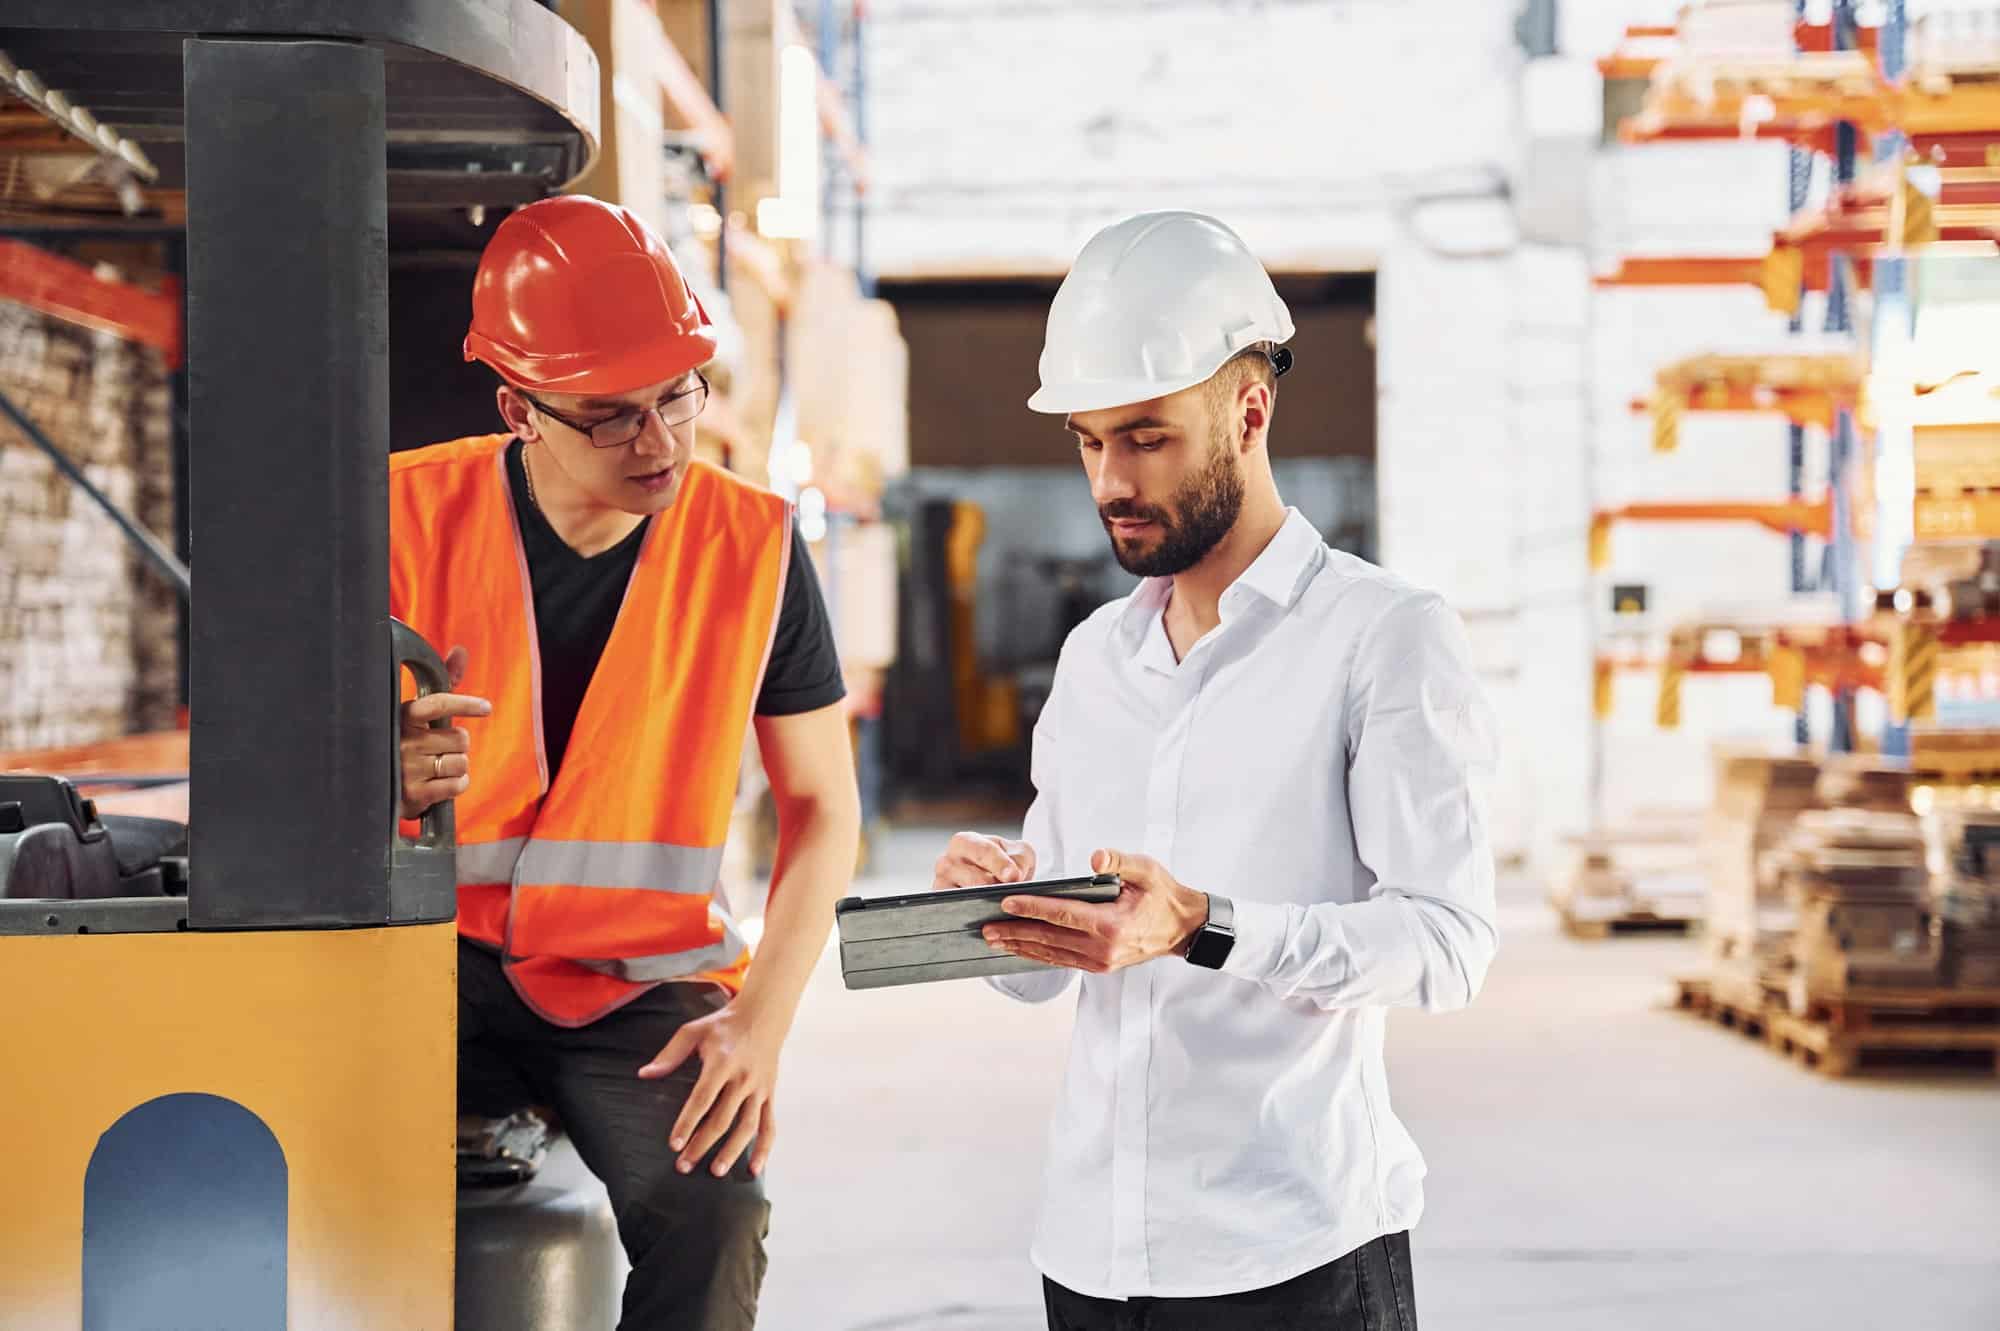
(139, 844)
(54, 845)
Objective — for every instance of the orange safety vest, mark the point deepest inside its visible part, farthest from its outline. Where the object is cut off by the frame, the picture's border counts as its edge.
(603, 885)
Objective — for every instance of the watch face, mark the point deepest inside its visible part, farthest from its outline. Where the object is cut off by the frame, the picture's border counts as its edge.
(1210, 948)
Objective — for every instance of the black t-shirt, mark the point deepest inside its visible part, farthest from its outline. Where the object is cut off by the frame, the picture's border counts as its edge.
(576, 603)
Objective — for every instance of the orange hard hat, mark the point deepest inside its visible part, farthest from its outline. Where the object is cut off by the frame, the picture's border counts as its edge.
(575, 295)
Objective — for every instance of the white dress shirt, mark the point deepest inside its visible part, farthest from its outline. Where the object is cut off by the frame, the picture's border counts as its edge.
(1320, 758)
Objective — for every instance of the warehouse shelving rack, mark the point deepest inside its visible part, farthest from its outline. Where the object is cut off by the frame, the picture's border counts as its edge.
(1842, 84)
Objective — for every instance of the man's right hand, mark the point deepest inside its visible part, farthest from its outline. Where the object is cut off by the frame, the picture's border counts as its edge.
(437, 764)
(973, 860)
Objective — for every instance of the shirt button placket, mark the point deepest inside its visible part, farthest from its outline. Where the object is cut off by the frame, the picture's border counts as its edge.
(1131, 1266)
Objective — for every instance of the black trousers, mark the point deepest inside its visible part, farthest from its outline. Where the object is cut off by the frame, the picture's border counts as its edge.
(696, 1242)
(1367, 1290)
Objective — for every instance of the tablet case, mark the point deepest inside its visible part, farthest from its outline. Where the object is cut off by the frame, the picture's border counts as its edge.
(919, 937)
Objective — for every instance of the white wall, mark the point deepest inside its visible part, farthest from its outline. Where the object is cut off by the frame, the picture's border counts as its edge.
(1002, 135)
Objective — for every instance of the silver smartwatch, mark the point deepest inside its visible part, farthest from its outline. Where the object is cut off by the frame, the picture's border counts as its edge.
(1211, 943)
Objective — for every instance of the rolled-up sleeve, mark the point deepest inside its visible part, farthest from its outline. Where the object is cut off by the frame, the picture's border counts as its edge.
(1420, 760)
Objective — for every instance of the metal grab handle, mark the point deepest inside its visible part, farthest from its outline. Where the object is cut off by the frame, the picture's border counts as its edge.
(440, 827)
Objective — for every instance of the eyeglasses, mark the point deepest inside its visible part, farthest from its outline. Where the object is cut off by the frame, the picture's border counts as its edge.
(623, 428)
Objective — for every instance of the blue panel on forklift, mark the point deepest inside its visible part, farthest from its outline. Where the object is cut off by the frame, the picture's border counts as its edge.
(184, 1210)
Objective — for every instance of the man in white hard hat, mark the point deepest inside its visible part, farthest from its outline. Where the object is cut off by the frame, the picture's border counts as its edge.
(1283, 752)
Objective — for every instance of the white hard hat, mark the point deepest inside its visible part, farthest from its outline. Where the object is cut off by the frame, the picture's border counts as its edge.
(1154, 304)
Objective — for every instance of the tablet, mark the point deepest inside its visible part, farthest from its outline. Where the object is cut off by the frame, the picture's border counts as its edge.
(916, 937)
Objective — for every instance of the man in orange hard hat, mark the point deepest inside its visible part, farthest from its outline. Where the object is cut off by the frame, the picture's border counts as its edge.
(620, 617)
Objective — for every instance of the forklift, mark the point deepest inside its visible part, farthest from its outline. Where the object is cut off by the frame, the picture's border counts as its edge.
(231, 1081)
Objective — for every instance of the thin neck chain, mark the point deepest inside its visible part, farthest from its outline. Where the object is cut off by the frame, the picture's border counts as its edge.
(529, 473)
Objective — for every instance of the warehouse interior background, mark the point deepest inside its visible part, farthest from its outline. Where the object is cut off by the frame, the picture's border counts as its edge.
(1661, 338)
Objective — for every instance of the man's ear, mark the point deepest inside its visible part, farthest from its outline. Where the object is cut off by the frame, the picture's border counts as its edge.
(514, 410)
(1255, 415)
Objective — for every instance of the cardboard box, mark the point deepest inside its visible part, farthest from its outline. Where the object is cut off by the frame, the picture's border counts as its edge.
(1738, 29)
(1971, 958)
(1867, 926)
(850, 376)
(1862, 781)
(859, 568)
(1955, 751)
(1758, 795)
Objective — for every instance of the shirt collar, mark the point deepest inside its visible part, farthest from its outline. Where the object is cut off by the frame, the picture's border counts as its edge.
(1278, 575)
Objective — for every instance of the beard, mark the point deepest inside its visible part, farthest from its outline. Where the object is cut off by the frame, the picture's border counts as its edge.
(1191, 524)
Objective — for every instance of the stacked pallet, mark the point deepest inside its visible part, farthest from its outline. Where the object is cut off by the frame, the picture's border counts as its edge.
(1758, 796)
(1960, 41)
(1954, 755)
(1645, 877)
(1966, 897)
(88, 636)
(1861, 952)
(1929, 1029)
(1739, 29)
(1856, 880)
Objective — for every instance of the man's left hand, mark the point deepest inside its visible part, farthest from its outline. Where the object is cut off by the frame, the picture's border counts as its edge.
(739, 1073)
(1154, 916)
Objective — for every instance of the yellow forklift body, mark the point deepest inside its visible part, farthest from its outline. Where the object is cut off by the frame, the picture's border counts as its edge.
(339, 1041)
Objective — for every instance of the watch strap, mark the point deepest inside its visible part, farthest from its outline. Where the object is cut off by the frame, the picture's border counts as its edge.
(1213, 942)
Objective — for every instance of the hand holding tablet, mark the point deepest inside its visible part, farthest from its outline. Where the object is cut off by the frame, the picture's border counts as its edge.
(917, 937)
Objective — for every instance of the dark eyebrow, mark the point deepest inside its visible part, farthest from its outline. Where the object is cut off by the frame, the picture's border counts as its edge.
(1129, 427)
(612, 404)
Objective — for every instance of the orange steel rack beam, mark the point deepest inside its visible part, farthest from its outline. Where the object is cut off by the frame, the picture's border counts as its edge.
(1780, 274)
(1801, 100)
(1681, 659)
(1811, 517)
(64, 289)
(1801, 406)
(1834, 657)
(1806, 389)
(1642, 50)
(1887, 213)
(1645, 48)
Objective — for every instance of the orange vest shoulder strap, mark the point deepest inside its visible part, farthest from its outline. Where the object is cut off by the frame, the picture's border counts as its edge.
(471, 448)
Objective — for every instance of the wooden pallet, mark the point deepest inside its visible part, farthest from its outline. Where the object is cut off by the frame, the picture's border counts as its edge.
(1856, 1037)
(1702, 996)
(1835, 1052)
(1632, 922)
(1866, 1009)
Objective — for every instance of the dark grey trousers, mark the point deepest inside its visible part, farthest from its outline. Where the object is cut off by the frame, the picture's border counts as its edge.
(1367, 1290)
(696, 1242)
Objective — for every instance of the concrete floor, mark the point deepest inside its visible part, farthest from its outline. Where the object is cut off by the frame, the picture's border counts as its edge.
(1596, 1163)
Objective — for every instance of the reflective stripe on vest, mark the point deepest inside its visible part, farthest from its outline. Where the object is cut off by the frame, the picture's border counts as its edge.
(609, 874)
(634, 864)
(674, 965)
